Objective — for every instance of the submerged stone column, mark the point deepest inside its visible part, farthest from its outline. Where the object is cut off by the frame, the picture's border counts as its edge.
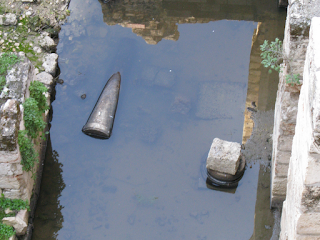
(301, 209)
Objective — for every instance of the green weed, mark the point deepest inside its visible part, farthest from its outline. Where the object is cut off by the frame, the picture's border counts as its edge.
(29, 156)
(7, 60)
(13, 204)
(272, 56)
(37, 90)
(6, 231)
(33, 119)
(34, 107)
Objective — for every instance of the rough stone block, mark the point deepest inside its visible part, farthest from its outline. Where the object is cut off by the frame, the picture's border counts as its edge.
(308, 237)
(285, 143)
(12, 193)
(310, 201)
(309, 223)
(8, 19)
(287, 128)
(224, 156)
(279, 186)
(19, 222)
(281, 170)
(277, 200)
(45, 78)
(10, 169)
(9, 125)
(289, 107)
(10, 156)
(282, 157)
(50, 63)
(18, 79)
(12, 182)
(47, 42)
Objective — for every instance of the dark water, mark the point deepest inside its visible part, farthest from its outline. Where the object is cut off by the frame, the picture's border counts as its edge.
(185, 70)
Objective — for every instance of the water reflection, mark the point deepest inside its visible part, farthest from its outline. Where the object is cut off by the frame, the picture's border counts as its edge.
(48, 217)
(155, 20)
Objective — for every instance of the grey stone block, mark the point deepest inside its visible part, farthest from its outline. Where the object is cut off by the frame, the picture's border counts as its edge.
(224, 156)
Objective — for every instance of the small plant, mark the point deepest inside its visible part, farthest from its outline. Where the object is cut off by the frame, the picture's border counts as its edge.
(33, 120)
(29, 156)
(7, 60)
(13, 204)
(68, 12)
(272, 56)
(37, 90)
(6, 231)
(34, 123)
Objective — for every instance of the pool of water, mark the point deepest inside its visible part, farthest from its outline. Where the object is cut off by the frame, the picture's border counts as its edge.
(185, 67)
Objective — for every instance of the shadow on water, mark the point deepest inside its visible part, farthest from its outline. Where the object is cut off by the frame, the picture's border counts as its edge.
(48, 216)
(188, 76)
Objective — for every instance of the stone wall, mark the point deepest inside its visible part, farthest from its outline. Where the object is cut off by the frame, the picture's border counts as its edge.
(301, 209)
(295, 44)
(14, 182)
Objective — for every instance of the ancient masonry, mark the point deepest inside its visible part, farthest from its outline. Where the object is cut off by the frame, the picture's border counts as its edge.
(14, 182)
(299, 15)
(301, 209)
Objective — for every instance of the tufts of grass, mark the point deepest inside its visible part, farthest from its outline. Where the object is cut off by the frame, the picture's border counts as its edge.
(7, 60)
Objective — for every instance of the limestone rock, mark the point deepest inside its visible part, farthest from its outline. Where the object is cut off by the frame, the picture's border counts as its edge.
(19, 222)
(17, 80)
(50, 63)
(10, 169)
(10, 156)
(9, 125)
(47, 42)
(12, 193)
(8, 210)
(45, 78)
(13, 237)
(8, 19)
(224, 156)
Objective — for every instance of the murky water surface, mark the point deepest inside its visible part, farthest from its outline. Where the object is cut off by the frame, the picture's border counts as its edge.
(185, 71)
